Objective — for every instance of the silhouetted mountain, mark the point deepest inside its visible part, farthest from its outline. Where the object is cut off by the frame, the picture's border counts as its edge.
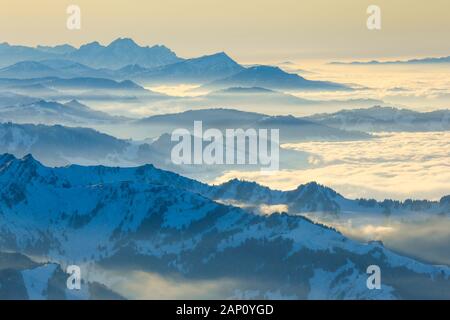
(117, 54)
(59, 49)
(10, 54)
(273, 78)
(122, 52)
(196, 70)
(242, 97)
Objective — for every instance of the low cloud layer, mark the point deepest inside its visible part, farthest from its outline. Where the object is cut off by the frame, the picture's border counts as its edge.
(396, 166)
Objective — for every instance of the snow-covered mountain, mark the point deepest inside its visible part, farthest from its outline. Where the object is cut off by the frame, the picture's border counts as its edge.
(378, 119)
(320, 200)
(155, 221)
(23, 279)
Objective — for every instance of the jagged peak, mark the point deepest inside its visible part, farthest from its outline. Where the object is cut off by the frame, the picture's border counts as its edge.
(313, 186)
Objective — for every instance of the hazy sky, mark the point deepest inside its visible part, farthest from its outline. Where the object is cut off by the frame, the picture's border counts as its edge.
(248, 30)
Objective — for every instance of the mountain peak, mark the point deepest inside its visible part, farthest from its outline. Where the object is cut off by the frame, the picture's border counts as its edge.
(28, 158)
(75, 104)
(316, 188)
(221, 54)
(91, 44)
(124, 43)
(220, 57)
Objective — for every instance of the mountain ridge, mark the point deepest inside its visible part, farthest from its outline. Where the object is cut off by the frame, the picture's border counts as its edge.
(159, 225)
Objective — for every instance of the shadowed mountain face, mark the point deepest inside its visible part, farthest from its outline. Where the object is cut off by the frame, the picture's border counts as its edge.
(155, 221)
(197, 70)
(59, 145)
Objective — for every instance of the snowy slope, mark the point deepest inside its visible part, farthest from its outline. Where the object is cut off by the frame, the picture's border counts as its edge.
(159, 222)
(23, 279)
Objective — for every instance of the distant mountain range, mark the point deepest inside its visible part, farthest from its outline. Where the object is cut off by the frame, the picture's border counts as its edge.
(378, 119)
(216, 71)
(49, 112)
(124, 59)
(86, 89)
(241, 97)
(321, 200)
(117, 54)
(272, 78)
(291, 128)
(80, 83)
(411, 61)
(155, 221)
(196, 70)
(51, 68)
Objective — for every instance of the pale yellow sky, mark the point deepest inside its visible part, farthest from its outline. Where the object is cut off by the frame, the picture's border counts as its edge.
(248, 30)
